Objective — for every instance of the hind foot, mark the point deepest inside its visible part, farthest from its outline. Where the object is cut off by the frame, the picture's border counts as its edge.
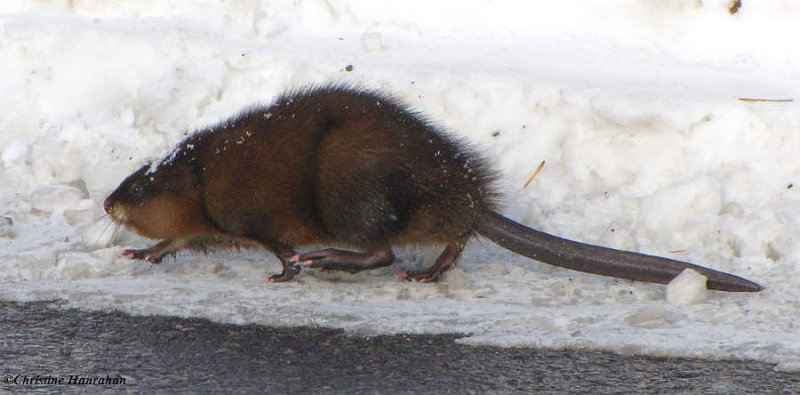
(446, 261)
(290, 269)
(345, 261)
(287, 274)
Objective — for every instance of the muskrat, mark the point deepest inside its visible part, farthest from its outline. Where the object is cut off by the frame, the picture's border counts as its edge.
(338, 165)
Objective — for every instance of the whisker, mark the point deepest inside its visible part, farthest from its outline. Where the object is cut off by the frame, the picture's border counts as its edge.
(109, 225)
(115, 233)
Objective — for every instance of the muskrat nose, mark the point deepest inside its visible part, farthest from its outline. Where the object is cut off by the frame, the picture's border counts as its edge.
(108, 205)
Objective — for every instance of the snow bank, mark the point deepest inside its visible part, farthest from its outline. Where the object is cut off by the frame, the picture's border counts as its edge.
(634, 107)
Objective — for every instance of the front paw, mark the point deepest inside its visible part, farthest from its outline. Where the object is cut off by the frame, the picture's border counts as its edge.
(146, 254)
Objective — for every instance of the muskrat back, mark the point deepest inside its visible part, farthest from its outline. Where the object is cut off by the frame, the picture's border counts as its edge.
(339, 166)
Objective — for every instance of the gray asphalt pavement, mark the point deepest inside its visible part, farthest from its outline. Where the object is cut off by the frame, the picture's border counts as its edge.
(42, 344)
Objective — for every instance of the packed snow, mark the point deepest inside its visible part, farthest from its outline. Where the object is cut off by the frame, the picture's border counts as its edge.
(635, 107)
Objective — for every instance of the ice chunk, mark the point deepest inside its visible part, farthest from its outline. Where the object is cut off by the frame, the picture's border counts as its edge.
(55, 198)
(687, 288)
(74, 265)
(98, 235)
(14, 153)
(371, 42)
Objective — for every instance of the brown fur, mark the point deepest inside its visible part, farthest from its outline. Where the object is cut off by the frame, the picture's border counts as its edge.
(330, 165)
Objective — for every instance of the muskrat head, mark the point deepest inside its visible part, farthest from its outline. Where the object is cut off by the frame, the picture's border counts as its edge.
(162, 203)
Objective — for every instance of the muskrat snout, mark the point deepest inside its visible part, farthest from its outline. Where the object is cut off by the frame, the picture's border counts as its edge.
(108, 205)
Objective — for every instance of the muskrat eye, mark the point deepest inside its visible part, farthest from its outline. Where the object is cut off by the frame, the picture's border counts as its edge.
(136, 189)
